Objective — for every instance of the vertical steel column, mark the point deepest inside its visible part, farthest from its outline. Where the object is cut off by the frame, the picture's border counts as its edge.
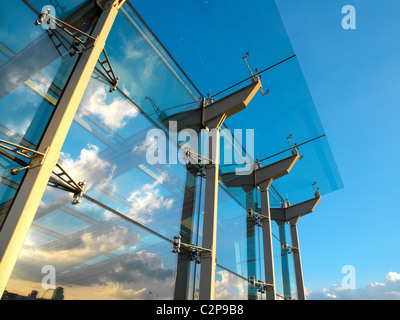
(251, 244)
(24, 207)
(267, 244)
(208, 259)
(297, 259)
(285, 261)
(186, 232)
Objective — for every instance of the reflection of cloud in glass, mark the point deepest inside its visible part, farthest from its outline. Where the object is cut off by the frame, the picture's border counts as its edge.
(85, 248)
(109, 108)
(131, 275)
(230, 287)
(89, 167)
(146, 201)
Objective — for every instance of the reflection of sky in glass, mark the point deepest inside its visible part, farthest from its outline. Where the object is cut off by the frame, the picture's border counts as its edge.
(62, 223)
(106, 147)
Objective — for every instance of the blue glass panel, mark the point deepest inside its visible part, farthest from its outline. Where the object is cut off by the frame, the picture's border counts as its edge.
(210, 47)
(33, 72)
(231, 234)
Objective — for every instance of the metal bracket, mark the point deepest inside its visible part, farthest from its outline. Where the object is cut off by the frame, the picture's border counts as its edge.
(25, 152)
(254, 76)
(37, 158)
(316, 189)
(257, 217)
(287, 248)
(295, 148)
(78, 45)
(263, 287)
(195, 251)
(64, 180)
(201, 160)
(109, 71)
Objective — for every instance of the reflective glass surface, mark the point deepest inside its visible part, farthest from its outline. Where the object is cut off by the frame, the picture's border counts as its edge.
(229, 286)
(108, 258)
(34, 68)
(211, 51)
(116, 243)
(231, 234)
(107, 148)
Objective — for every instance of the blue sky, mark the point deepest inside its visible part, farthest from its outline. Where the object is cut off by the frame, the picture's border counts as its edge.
(353, 76)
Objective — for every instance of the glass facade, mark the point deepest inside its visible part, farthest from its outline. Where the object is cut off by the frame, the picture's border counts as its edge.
(117, 243)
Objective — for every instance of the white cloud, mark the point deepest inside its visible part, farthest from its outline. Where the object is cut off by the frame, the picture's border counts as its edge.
(392, 276)
(229, 287)
(146, 144)
(88, 167)
(109, 108)
(89, 247)
(147, 200)
(387, 290)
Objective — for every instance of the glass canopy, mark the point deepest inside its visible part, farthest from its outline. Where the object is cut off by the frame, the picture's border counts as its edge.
(210, 49)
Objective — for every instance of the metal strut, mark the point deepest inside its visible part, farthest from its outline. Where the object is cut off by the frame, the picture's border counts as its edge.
(62, 179)
(78, 45)
(25, 152)
(109, 71)
(195, 251)
(295, 148)
(254, 76)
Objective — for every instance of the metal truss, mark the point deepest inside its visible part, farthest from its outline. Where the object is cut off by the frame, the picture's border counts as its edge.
(61, 177)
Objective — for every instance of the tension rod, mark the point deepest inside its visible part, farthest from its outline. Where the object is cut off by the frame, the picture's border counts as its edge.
(295, 148)
(254, 76)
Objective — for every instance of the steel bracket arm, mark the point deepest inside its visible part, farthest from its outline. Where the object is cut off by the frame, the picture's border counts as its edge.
(302, 208)
(261, 177)
(264, 176)
(215, 113)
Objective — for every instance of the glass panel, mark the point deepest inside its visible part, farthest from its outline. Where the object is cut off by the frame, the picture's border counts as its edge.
(215, 49)
(91, 259)
(229, 286)
(147, 74)
(277, 250)
(210, 49)
(110, 155)
(34, 69)
(317, 158)
(231, 234)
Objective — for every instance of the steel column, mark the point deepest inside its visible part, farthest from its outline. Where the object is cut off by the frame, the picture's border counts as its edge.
(189, 203)
(208, 259)
(297, 259)
(267, 245)
(251, 244)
